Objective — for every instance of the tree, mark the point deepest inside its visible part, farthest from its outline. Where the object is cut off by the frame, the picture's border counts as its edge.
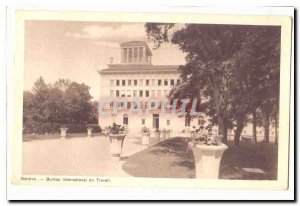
(40, 92)
(78, 103)
(55, 110)
(226, 64)
(27, 106)
(209, 49)
(254, 126)
(64, 102)
(256, 66)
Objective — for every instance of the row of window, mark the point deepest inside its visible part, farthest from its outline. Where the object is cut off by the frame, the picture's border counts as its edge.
(139, 93)
(155, 118)
(154, 124)
(134, 55)
(154, 82)
(143, 105)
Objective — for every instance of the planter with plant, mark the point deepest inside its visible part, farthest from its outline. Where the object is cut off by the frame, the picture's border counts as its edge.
(116, 135)
(63, 131)
(145, 135)
(208, 150)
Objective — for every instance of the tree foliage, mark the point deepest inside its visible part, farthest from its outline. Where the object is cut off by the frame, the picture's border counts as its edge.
(64, 102)
(233, 69)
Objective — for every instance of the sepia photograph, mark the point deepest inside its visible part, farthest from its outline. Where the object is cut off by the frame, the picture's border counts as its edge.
(172, 100)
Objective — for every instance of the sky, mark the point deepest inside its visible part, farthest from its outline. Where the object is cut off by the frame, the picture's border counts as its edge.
(77, 50)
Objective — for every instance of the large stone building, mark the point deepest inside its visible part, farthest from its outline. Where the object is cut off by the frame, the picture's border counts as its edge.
(137, 78)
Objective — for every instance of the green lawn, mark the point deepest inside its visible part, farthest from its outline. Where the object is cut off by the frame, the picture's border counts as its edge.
(170, 159)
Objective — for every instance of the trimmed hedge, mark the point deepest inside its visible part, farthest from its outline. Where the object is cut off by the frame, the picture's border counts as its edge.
(52, 128)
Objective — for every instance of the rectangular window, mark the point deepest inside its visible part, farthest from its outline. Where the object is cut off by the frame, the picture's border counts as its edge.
(168, 122)
(141, 82)
(129, 82)
(178, 81)
(134, 93)
(130, 55)
(123, 93)
(159, 82)
(117, 93)
(135, 82)
(147, 93)
(135, 55)
(153, 93)
(158, 93)
(125, 119)
(120, 105)
(166, 82)
(147, 82)
(111, 93)
(143, 121)
(140, 54)
(128, 105)
(123, 82)
(118, 82)
(125, 55)
(153, 82)
(155, 123)
(128, 93)
(172, 82)
(141, 93)
(111, 82)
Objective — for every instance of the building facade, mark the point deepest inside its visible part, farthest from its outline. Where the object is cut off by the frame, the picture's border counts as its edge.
(136, 79)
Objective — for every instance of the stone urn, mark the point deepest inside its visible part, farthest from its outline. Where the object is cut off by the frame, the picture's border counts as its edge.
(116, 145)
(89, 132)
(63, 132)
(157, 135)
(207, 160)
(145, 138)
(168, 132)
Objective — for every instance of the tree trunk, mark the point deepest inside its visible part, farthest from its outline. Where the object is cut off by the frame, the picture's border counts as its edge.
(222, 129)
(254, 126)
(238, 132)
(276, 128)
(266, 126)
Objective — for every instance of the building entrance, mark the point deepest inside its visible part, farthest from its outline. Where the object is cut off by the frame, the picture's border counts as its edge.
(156, 121)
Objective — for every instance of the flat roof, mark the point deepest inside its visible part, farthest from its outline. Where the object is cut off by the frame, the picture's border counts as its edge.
(113, 68)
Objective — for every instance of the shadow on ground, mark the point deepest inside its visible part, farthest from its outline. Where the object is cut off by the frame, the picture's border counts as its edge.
(171, 159)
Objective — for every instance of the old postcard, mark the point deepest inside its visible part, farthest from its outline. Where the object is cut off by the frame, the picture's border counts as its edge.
(151, 100)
